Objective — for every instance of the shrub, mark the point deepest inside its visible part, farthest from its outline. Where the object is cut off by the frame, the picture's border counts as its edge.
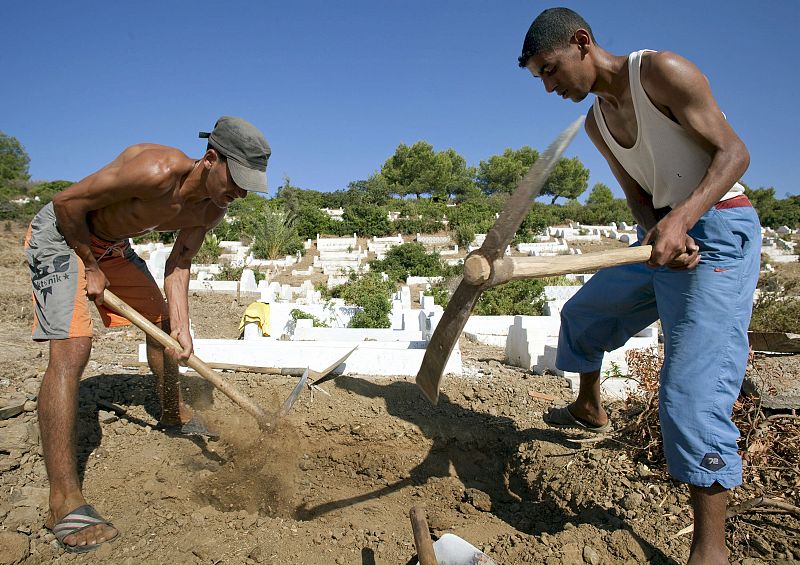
(411, 226)
(523, 297)
(372, 294)
(441, 295)
(228, 272)
(777, 308)
(273, 234)
(464, 235)
(210, 250)
(365, 220)
(298, 314)
(409, 259)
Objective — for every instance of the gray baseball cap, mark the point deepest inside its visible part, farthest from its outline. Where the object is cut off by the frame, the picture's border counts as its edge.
(246, 150)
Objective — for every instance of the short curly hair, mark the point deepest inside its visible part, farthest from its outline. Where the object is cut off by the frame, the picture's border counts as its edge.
(552, 29)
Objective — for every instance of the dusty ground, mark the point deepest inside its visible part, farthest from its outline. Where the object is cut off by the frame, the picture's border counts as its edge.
(335, 483)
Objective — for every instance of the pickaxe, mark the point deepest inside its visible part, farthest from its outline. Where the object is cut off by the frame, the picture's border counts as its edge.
(487, 267)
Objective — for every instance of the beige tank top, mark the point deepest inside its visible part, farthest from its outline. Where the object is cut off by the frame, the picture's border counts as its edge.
(664, 160)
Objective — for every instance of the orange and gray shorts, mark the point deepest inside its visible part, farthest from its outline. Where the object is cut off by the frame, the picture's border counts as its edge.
(61, 309)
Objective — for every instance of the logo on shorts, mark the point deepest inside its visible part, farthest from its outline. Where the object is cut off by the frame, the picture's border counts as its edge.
(712, 462)
(43, 279)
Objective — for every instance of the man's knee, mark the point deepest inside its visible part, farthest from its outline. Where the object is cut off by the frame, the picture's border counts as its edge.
(69, 355)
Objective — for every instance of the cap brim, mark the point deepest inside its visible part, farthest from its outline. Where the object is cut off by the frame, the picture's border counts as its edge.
(247, 178)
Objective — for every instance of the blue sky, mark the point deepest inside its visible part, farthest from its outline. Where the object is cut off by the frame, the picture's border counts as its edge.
(336, 86)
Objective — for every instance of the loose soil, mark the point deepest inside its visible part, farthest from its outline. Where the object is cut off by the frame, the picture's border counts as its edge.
(334, 482)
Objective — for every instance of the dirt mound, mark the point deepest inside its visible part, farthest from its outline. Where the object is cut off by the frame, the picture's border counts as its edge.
(257, 472)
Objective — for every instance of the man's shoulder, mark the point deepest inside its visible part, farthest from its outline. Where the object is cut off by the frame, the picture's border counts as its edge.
(154, 153)
(156, 161)
(662, 67)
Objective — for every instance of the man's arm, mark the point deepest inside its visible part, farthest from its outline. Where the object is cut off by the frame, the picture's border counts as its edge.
(639, 201)
(676, 84)
(123, 179)
(176, 286)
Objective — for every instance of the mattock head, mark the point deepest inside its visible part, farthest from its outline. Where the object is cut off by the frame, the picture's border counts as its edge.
(478, 267)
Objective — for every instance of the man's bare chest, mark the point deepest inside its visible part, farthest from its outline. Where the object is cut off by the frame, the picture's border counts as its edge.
(621, 122)
(137, 216)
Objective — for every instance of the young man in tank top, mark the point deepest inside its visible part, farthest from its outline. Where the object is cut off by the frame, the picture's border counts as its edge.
(77, 246)
(678, 162)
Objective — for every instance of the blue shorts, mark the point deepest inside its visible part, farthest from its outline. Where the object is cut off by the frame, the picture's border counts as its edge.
(705, 313)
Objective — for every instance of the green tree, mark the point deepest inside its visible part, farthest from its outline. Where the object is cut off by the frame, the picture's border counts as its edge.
(14, 159)
(569, 180)
(600, 195)
(772, 211)
(454, 177)
(411, 170)
(501, 173)
(374, 190)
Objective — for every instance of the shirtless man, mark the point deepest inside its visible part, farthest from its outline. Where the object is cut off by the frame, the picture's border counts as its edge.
(77, 246)
(678, 162)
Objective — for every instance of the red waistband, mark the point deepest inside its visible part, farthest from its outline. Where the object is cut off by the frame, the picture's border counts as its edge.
(740, 201)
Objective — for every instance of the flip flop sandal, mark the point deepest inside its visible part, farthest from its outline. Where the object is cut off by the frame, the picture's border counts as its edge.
(76, 521)
(563, 418)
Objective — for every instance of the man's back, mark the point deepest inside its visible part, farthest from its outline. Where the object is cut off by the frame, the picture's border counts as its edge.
(143, 190)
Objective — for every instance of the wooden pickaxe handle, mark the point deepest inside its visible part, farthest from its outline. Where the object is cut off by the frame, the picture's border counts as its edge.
(422, 537)
(478, 271)
(263, 418)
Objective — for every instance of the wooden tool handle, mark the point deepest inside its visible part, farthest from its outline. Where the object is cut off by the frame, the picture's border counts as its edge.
(532, 267)
(422, 537)
(229, 390)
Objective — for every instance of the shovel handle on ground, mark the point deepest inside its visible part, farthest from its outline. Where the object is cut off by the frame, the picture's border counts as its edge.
(262, 417)
(477, 269)
(422, 537)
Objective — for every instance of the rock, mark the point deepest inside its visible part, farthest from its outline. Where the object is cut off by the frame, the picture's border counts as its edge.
(643, 470)
(14, 548)
(30, 405)
(632, 501)
(106, 417)
(626, 543)
(590, 555)
(31, 388)
(103, 552)
(36, 497)
(12, 408)
(22, 518)
(438, 521)
(571, 553)
(478, 499)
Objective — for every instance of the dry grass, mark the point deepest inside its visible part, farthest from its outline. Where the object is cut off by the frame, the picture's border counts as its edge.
(769, 443)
